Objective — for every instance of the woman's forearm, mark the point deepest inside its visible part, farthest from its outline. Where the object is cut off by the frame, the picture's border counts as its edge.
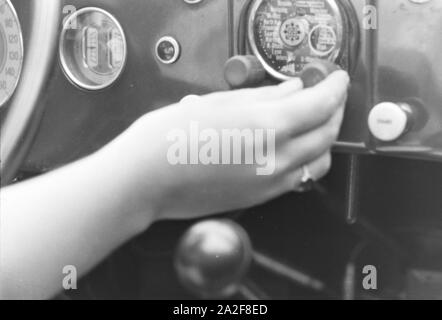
(78, 215)
(74, 216)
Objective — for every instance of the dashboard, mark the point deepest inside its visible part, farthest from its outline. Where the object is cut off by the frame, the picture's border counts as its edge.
(117, 60)
(11, 49)
(114, 65)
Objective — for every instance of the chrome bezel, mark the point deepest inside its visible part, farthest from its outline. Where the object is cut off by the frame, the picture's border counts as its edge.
(21, 43)
(176, 46)
(254, 47)
(67, 69)
(193, 1)
(319, 53)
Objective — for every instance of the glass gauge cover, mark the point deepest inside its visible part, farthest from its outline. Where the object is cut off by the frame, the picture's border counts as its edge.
(11, 51)
(288, 34)
(92, 48)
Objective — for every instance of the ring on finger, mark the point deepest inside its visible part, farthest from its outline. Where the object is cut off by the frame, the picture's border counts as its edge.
(307, 180)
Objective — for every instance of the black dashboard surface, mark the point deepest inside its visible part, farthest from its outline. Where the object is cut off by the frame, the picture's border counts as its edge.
(78, 122)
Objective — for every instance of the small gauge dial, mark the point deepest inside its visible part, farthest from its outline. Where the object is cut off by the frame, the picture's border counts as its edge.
(286, 35)
(11, 51)
(93, 48)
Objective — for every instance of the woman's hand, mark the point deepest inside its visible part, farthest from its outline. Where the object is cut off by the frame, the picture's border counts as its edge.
(77, 215)
(155, 168)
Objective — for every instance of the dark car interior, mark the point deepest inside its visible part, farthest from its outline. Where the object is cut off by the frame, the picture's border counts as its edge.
(381, 204)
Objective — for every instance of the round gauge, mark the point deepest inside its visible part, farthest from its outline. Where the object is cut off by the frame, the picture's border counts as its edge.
(287, 35)
(93, 48)
(11, 50)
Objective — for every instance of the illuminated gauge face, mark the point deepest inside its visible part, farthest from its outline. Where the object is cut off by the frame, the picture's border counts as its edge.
(11, 51)
(92, 49)
(288, 34)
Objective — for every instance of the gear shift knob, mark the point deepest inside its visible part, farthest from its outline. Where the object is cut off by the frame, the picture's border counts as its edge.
(212, 258)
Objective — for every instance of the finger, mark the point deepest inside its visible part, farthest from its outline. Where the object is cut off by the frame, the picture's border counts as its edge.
(191, 98)
(280, 91)
(289, 87)
(318, 169)
(313, 144)
(338, 118)
(261, 94)
(311, 108)
(275, 92)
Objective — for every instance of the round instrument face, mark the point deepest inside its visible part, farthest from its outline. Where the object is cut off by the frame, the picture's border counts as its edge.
(286, 35)
(93, 48)
(11, 51)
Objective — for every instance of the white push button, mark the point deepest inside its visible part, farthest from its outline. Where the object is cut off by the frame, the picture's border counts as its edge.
(388, 121)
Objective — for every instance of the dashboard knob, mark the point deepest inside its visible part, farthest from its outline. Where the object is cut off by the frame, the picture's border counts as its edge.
(244, 71)
(388, 121)
(317, 71)
(213, 257)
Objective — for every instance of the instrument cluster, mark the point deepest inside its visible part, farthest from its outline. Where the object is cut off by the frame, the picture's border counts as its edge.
(11, 50)
(394, 104)
(287, 35)
(112, 56)
(92, 48)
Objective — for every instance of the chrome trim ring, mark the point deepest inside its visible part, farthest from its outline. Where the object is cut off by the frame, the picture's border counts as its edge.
(21, 53)
(192, 1)
(254, 47)
(68, 69)
(176, 46)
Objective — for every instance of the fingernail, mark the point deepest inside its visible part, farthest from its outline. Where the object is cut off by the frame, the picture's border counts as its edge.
(295, 83)
(344, 75)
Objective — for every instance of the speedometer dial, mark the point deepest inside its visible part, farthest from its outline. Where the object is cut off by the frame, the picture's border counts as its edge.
(11, 50)
(288, 34)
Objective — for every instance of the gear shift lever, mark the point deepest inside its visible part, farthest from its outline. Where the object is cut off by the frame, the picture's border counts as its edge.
(213, 257)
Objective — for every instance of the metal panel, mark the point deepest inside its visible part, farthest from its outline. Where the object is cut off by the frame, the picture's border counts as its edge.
(399, 61)
(79, 122)
(410, 68)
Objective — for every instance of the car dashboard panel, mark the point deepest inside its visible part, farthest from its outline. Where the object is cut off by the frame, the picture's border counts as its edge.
(169, 49)
(78, 121)
(118, 60)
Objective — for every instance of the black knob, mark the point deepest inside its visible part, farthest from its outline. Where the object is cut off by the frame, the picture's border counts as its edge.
(244, 71)
(317, 71)
(213, 257)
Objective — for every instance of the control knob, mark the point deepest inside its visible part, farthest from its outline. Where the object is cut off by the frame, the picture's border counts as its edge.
(244, 71)
(317, 71)
(213, 257)
(389, 121)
